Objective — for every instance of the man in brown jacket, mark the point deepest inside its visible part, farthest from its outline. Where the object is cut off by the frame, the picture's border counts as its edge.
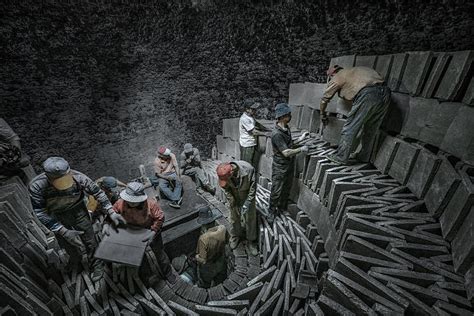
(370, 100)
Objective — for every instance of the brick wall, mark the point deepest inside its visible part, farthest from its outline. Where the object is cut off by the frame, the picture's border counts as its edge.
(104, 83)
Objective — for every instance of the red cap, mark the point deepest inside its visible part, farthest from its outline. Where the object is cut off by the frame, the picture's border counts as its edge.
(164, 151)
(332, 70)
(224, 172)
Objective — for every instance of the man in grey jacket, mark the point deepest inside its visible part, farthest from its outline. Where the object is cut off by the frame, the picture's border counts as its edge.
(237, 178)
(58, 199)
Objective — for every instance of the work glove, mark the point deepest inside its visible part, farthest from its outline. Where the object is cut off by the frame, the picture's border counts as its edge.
(71, 236)
(303, 136)
(105, 230)
(304, 149)
(116, 218)
(151, 235)
(245, 207)
(324, 119)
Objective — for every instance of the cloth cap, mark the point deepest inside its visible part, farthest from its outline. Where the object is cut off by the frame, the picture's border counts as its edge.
(188, 148)
(134, 193)
(224, 172)
(56, 167)
(164, 151)
(109, 182)
(282, 109)
(206, 215)
(249, 104)
(333, 70)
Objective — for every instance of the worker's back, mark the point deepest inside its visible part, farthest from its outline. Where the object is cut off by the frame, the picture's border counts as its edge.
(351, 80)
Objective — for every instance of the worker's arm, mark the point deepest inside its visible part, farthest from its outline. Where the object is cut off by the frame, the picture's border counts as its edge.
(279, 143)
(260, 127)
(91, 188)
(331, 89)
(158, 216)
(253, 187)
(182, 160)
(36, 189)
(174, 161)
(201, 252)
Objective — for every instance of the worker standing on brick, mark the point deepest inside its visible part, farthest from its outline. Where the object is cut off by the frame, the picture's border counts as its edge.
(370, 100)
(284, 152)
(58, 199)
(140, 210)
(210, 258)
(190, 163)
(168, 176)
(237, 178)
(249, 129)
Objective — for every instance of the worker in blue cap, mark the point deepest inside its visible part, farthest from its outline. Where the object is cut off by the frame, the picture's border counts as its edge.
(58, 200)
(284, 152)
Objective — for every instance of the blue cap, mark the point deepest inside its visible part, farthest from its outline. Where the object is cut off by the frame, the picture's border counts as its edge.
(109, 182)
(282, 109)
(56, 167)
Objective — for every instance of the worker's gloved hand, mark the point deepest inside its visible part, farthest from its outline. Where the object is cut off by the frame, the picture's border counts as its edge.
(304, 149)
(117, 219)
(71, 236)
(149, 237)
(105, 230)
(245, 207)
(303, 136)
(324, 119)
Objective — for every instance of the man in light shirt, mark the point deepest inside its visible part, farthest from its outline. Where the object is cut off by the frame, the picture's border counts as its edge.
(249, 129)
(168, 176)
(370, 100)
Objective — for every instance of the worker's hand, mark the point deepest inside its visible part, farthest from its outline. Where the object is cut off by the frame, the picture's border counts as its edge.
(245, 207)
(189, 160)
(105, 230)
(71, 236)
(324, 119)
(304, 149)
(117, 219)
(303, 136)
(149, 237)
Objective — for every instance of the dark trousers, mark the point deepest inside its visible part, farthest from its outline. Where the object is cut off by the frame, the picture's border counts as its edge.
(249, 154)
(161, 257)
(282, 178)
(212, 271)
(368, 110)
(78, 219)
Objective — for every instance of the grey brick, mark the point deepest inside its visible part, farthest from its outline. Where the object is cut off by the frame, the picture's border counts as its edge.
(386, 153)
(416, 70)
(423, 173)
(455, 75)
(383, 65)
(439, 67)
(459, 138)
(397, 70)
(403, 162)
(366, 61)
(463, 244)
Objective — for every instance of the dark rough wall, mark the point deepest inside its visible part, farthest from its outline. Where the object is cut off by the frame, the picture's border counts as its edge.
(104, 83)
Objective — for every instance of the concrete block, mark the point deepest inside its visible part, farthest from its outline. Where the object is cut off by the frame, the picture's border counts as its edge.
(312, 95)
(296, 95)
(305, 118)
(439, 67)
(383, 65)
(438, 121)
(423, 172)
(344, 61)
(469, 282)
(386, 153)
(330, 307)
(332, 131)
(416, 71)
(455, 76)
(417, 306)
(265, 166)
(444, 184)
(458, 207)
(221, 145)
(403, 162)
(459, 138)
(397, 114)
(296, 111)
(419, 109)
(469, 95)
(398, 68)
(366, 61)
(463, 244)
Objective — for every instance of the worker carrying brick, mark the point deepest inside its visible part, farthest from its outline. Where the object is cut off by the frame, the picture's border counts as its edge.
(11, 156)
(168, 176)
(249, 129)
(237, 178)
(210, 258)
(111, 187)
(370, 100)
(190, 163)
(139, 210)
(284, 152)
(58, 197)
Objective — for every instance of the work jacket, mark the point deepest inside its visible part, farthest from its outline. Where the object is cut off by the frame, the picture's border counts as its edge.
(243, 187)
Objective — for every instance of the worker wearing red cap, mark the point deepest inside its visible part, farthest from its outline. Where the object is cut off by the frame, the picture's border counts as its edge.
(370, 100)
(169, 178)
(237, 178)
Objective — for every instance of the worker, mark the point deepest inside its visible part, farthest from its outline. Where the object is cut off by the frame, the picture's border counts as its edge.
(210, 258)
(190, 163)
(111, 187)
(237, 178)
(249, 129)
(168, 176)
(58, 199)
(140, 210)
(11, 156)
(284, 152)
(370, 100)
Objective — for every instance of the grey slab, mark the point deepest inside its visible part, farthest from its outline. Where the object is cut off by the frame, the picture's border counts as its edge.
(124, 245)
(397, 70)
(452, 309)
(438, 121)
(417, 307)
(418, 278)
(332, 131)
(366, 61)
(296, 94)
(434, 77)
(383, 65)
(469, 282)
(403, 162)
(455, 75)
(444, 185)
(366, 262)
(344, 61)
(397, 114)
(459, 137)
(423, 172)
(416, 71)
(330, 307)
(469, 95)
(463, 244)
(417, 116)
(305, 118)
(386, 153)
(180, 309)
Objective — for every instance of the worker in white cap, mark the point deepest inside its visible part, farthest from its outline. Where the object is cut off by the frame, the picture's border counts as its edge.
(58, 199)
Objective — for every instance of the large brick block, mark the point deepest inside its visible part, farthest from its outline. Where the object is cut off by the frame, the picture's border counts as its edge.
(296, 111)
(463, 244)
(344, 61)
(434, 77)
(265, 166)
(296, 96)
(366, 61)
(423, 173)
(416, 70)
(459, 138)
(397, 112)
(455, 76)
(221, 145)
(397, 70)
(332, 131)
(386, 153)
(230, 128)
(469, 95)
(305, 118)
(383, 65)
(403, 162)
